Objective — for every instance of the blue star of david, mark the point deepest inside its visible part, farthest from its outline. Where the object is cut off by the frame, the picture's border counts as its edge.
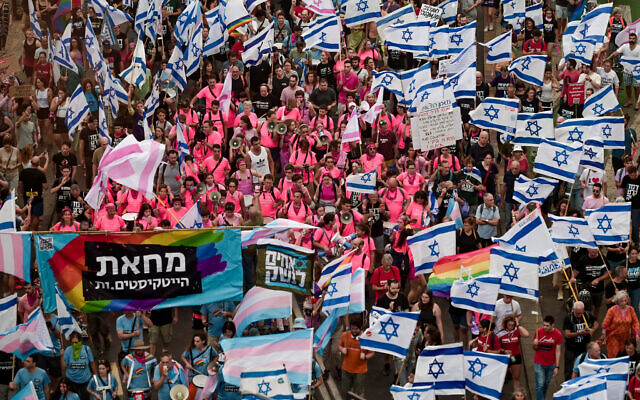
(383, 329)
(435, 249)
(532, 190)
(197, 225)
(332, 289)
(573, 231)
(454, 81)
(89, 41)
(636, 69)
(108, 92)
(432, 42)
(264, 387)
(601, 223)
(399, 21)
(456, 39)
(602, 369)
(581, 49)
(476, 363)
(584, 31)
(196, 52)
(561, 158)
(513, 5)
(472, 290)
(70, 113)
(598, 109)
(522, 249)
(425, 96)
(366, 178)
(533, 128)
(491, 112)
(511, 275)
(412, 86)
(436, 372)
(323, 36)
(387, 79)
(362, 5)
(590, 153)
(407, 35)
(578, 135)
(606, 131)
(414, 396)
(525, 64)
(180, 64)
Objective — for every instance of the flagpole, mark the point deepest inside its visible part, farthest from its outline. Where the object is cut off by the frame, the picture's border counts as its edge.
(167, 207)
(573, 292)
(607, 268)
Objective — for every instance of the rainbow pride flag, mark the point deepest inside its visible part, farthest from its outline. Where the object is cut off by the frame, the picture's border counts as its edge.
(140, 271)
(447, 269)
(63, 14)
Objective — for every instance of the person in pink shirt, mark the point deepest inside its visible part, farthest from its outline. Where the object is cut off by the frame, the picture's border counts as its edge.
(350, 228)
(445, 154)
(146, 218)
(270, 140)
(209, 93)
(322, 118)
(234, 196)
(217, 117)
(132, 201)
(67, 223)
(229, 217)
(176, 212)
(161, 202)
(330, 169)
(217, 165)
(289, 111)
(297, 210)
(247, 105)
(188, 192)
(596, 200)
(360, 258)
(394, 198)
(411, 181)
(373, 160)
(214, 136)
(110, 222)
(322, 236)
(269, 198)
(418, 211)
(28, 302)
(304, 161)
(348, 83)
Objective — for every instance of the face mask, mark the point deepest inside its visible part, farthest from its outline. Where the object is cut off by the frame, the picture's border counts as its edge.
(77, 348)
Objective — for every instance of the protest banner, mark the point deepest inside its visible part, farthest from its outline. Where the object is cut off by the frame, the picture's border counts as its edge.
(284, 266)
(430, 13)
(434, 125)
(22, 91)
(575, 94)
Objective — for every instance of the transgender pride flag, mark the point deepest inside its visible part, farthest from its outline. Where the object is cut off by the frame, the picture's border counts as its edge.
(15, 254)
(294, 349)
(28, 338)
(26, 393)
(260, 304)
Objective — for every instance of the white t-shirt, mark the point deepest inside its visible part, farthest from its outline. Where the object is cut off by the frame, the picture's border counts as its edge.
(503, 309)
(595, 78)
(593, 177)
(626, 51)
(608, 78)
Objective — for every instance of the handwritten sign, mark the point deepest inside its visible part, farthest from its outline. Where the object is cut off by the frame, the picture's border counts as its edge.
(22, 91)
(430, 13)
(575, 94)
(432, 127)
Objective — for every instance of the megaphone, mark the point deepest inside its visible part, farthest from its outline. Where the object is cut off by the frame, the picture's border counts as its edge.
(342, 241)
(179, 392)
(324, 140)
(346, 218)
(201, 188)
(271, 126)
(215, 196)
(281, 128)
(235, 143)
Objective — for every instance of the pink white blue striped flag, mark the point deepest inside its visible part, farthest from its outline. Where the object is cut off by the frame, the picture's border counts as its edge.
(352, 130)
(15, 253)
(294, 349)
(26, 393)
(259, 304)
(28, 338)
(209, 387)
(225, 95)
(371, 115)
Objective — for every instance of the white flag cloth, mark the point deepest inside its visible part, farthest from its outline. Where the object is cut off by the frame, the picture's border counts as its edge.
(615, 371)
(77, 110)
(414, 79)
(463, 84)
(324, 34)
(66, 322)
(175, 67)
(623, 36)
(449, 10)
(572, 231)
(536, 190)
(439, 42)
(103, 129)
(61, 53)
(610, 129)
(514, 12)
(484, 373)
(8, 312)
(116, 16)
(593, 154)
(593, 24)
(529, 235)
(352, 130)
(610, 223)
(362, 183)
(443, 367)
(252, 4)
(136, 73)
(558, 160)
(478, 294)
(430, 244)
(33, 20)
(497, 114)
(271, 381)
(531, 128)
(338, 291)
(193, 50)
(8, 214)
(389, 80)
(192, 219)
(391, 334)
(259, 46)
(461, 37)
(499, 49)
(465, 59)
(534, 12)
(225, 95)
(398, 17)
(529, 69)
(358, 12)
(574, 131)
(580, 50)
(549, 267)
(519, 272)
(593, 387)
(426, 94)
(413, 393)
(601, 102)
(371, 115)
(411, 37)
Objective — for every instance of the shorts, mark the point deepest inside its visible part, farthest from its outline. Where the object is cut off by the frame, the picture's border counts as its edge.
(459, 320)
(628, 80)
(562, 12)
(353, 382)
(378, 241)
(515, 360)
(161, 334)
(37, 208)
(43, 113)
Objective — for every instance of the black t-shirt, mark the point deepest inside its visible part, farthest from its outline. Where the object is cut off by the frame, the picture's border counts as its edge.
(63, 196)
(91, 138)
(501, 84)
(259, 75)
(589, 269)
(237, 87)
(466, 242)
(550, 30)
(631, 191)
(326, 71)
(530, 106)
(572, 323)
(323, 98)
(278, 85)
(6, 366)
(610, 290)
(482, 92)
(569, 112)
(376, 220)
(399, 304)
(61, 160)
(510, 180)
(77, 208)
(633, 360)
(32, 180)
(161, 317)
(262, 104)
(633, 275)
(399, 59)
(113, 59)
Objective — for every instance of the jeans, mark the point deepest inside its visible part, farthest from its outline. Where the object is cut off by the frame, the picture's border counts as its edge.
(635, 221)
(543, 376)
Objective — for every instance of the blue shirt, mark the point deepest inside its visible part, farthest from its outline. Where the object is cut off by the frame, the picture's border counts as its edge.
(69, 396)
(104, 387)
(126, 325)
(213, 311)
(39, 378)
(92, 101)
(486, 231)
(78, 371)
(176, 376)
(140, 373)
(227, 391)
(200, 359)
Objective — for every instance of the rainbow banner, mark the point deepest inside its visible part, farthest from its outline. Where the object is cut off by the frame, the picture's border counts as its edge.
(447, 269)
(140, 271)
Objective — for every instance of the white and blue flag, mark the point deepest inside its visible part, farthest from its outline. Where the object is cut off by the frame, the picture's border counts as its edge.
(324, 34)
(33, 20)
(175, 67)
(61, 53)
(153, 102)
(389, 80)
(518, 272)
(551, 266)
(601, 102)
(443, 367)
(461, 37)
(573, 131)
(593, 24)
(610, 129)
(272, 381)
(137, 71)
(529, 69)
(613, 370)
(391, 333)
(188, 19)
(260, 45)
(581, 50)
(427, 94)
(631, 66)
(413, 393)
(140, 20)
(362, 183)
(338, 291)
(117, 17)
(8, 214)
(94, 55)
(358, 12)
(113, 93)
(498, 114)
(183, 146)
(463, 84)
(8, 313)
(193, 50)
(558, 160)
(103, 129)
(411, 37)
(252, 4)
(218, 33)
(526, 190)
(68, 324)
(477, 294)
(610, 223)
(463, 60)
(439, 42)
(593, 387)
(531, 128)
(412, 80)
(484, 373)
(529, 235)
(568, 38)
(430, 244)
(77, 110)
(192, 219)
(514, 13)
(593, 154)
(572, 231)
(398, 17)
(534, 12)
(499, 49)
(449, 11)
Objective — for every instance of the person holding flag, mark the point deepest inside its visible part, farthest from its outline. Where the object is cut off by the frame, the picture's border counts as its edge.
(29, 374)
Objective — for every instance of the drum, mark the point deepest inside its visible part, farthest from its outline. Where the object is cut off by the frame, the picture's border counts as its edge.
(200, 381)
(130, 216)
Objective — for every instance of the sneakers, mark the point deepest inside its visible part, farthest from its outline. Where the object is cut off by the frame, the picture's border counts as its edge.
(486, 29)
(560, 295)
(490, 27)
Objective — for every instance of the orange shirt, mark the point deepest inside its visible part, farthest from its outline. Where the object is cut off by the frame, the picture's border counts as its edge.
(352, 362)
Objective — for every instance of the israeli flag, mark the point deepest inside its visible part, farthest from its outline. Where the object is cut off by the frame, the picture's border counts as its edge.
(514, 13)
(252, 4)
(529, 69)
(141, 17)
(601, 102)
(527, 190)
(461, 37)
(463, 60)
(33, 19)
(443, 367)
(338, 291)
(8, 313)
(94, 55)
(321, 7)
(463, 84)
(8, 214)
(189, 17)
(593, 388)
(477, 294)
(430, 244)
(362, 183)
(260, 45)
(77, 110)
(518, 272)
(271, 380)
(391, 334)
(153, 102)
(531, 128)
(593, 25)
(192, 219)
(530, 236)
(593, 154)
(388, 80)
(610, 223)
(581, 50)
(413, 393)
(137, 71)
(113, 93)
(499, 49)
(497, 114)
(567, 36)
(535, 13)
(398, 17)
(193, 52)
(410, 37)
(449, 11)
(558, 160)
(439, 42)
(218, 35)
(573, 131)
(614, 370)
(551, 266)
(324, 34)
(68, 324)
(412, 80)
(183, 146)
(61, 54)
(631, 66)
(358, 12)
(426, 94)
(484, 373)
(117, 17)
(572, 231)
(103, 129)
(175, 67)
(154, 18)
(610, 129)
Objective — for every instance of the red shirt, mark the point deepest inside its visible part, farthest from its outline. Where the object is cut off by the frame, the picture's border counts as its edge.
(634, 388)
(380, 277)
(510, 341)
(488, 343)
(547, 342)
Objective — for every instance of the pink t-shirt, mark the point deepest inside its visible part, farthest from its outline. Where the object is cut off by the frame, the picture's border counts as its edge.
(394, 202)
(218, 168)
(370, 164)
(298, 215)
(417, 212)
(177, 215)
(411, 183)
(207, 94)
(591, 203)
(114, 224)
(24, 308)
(300, 158)
(252, 117)
(294, 113)
(268, 202)
(350, 82)
(266, 139)
(323, 236)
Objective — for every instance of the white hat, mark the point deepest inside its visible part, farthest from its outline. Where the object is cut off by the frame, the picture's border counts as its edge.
(517, 147)
(352, 104)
